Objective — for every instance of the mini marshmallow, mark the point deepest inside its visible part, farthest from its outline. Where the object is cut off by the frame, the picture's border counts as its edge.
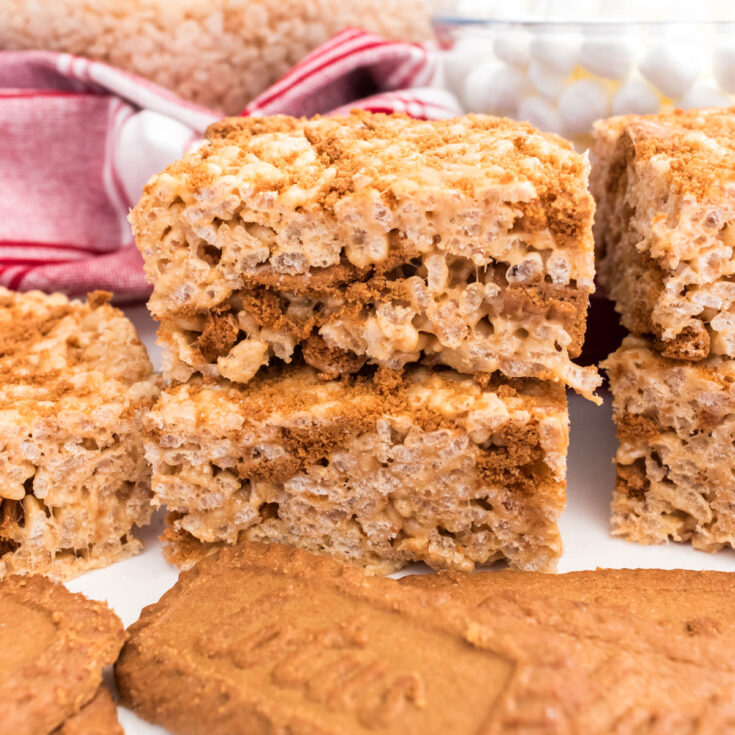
(512, 46)
(547, 82)
(494, 88)
(558, 52)
(635, 96)
(608, 57)
(158, 141)
(580, 104)
(671, 68)
(464, 56)
(541, 113)
(723, 66)
(703, 95)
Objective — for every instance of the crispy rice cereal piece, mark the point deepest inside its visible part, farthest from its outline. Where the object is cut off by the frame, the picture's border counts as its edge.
(75, 381)
(371, 238)
(436, 469)
(53, 648)
(665, 227)
(676, 426)
(262, 638)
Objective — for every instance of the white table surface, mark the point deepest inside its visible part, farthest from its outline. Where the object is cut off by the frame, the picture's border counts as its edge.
(130, 585)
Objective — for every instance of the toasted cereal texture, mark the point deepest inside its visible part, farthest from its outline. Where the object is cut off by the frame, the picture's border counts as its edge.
(694, 603)
(215, 53)
(676, 426)
(261, 638)
(53, 648)
(665, 227)
(75, 381)
(375, 238)
(98, 717)
(435, 469)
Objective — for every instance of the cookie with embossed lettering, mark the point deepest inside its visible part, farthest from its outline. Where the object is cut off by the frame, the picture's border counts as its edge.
(53, 647)
(262, 638)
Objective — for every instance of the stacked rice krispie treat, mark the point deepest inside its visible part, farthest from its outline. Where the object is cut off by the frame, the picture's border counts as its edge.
(368, 323)
(75, 381)
(665, 187)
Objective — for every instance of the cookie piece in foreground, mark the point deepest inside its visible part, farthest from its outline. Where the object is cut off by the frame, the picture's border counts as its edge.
(262, 638)
(434, 468)
(372, 238)
(75, 381)
(665, 226)
(693, 603)
(53, 647)
(675, 461)
(97, 717)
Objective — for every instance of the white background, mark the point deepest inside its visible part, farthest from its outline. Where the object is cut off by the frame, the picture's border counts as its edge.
(134, 583)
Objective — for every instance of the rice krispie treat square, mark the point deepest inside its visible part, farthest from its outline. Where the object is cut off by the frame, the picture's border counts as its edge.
(75, 381)
(676, 426)
(665, 227)
(371, 238)
(434, 469)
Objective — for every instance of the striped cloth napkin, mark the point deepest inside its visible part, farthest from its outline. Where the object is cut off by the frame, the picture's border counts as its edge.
(80, 139)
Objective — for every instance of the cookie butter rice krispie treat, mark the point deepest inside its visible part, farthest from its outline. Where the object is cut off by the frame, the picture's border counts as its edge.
(371, 238)
(75, 381)
(665, 226)
(218, 53)
(676, 426)
(435, 469)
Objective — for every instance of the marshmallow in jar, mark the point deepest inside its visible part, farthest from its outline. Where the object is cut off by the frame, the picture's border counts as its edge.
(642, 57)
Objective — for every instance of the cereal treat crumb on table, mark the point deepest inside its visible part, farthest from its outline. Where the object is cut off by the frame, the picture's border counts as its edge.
(676, 427)
(665, 227)
(75, 381)
(439, 470)
(371, 238)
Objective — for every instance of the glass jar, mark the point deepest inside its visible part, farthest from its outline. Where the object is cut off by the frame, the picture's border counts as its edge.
(561, 75)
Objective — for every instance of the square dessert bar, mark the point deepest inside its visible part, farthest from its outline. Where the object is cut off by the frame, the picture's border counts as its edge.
(371, 238)
(676, 465)
(665, 227)
(75, 381)
(434, 468)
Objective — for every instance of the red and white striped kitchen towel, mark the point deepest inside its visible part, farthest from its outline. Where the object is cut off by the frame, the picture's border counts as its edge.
(79, 139)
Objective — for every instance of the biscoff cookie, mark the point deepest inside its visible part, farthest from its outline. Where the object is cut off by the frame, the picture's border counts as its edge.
(261, 638)
(97, 717)
(691, 602)
(53, 647)
(371, 238)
